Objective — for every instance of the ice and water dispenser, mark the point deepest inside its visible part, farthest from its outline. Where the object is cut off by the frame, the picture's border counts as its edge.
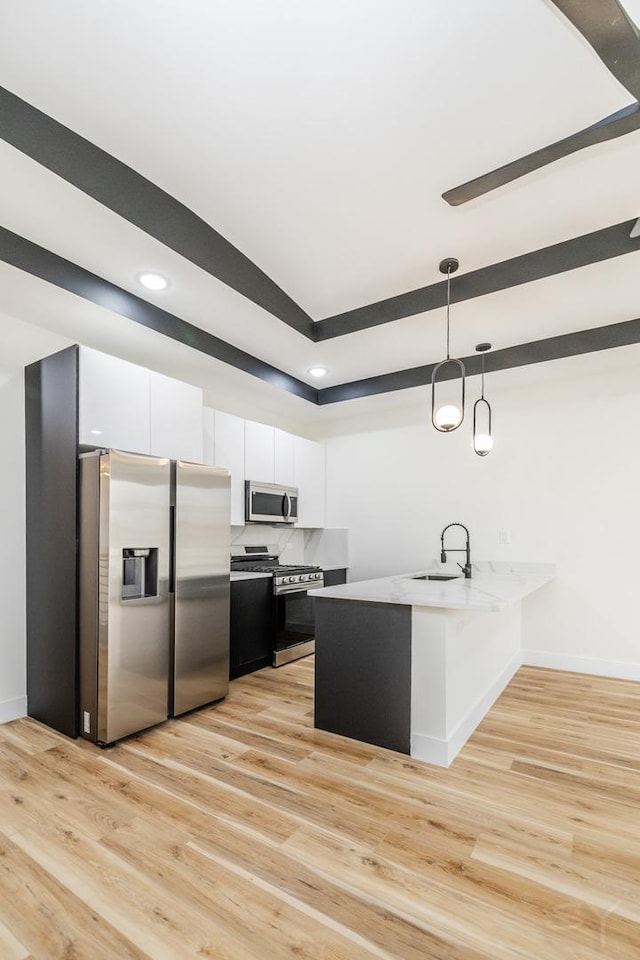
(139, 572)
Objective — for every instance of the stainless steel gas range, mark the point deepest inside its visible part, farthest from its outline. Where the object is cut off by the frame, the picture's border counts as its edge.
(293, 619)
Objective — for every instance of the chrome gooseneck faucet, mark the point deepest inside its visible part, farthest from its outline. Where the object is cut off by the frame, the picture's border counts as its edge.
(467, 549)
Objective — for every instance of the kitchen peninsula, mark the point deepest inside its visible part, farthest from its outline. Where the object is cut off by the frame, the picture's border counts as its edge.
(412, 663)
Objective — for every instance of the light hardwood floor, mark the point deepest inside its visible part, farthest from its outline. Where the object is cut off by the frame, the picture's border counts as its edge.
(241, 833)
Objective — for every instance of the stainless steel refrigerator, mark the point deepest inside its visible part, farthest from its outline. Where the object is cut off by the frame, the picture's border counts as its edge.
(154, 590)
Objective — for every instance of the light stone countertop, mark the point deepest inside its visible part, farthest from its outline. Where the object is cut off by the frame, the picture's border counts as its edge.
(240, 575)
(493, 586)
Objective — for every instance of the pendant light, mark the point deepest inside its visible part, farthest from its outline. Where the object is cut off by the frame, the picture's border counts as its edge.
(447, 417)
(482, 436)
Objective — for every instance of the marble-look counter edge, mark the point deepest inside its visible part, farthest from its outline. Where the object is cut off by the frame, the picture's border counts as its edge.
(489, 589)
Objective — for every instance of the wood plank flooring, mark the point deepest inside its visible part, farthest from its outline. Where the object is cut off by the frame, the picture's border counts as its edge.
(241, 833)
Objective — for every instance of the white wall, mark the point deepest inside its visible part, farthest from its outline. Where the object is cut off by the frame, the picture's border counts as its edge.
(563, 481)
(12, 549)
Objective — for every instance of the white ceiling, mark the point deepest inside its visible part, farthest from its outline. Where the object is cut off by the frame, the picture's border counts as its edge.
(318, 137)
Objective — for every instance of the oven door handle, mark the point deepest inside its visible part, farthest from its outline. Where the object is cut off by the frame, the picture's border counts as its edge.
(297, 587)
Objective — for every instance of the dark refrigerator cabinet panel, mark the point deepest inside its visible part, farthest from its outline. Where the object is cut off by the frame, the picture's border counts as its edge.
(201, 599)
(51, 433)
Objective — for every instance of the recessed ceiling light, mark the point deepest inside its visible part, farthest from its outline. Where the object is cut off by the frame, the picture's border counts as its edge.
(96, 432)
(153, 281)
(318, 371)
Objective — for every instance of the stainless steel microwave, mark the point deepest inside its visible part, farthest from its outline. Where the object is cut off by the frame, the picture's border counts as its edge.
(270, 503)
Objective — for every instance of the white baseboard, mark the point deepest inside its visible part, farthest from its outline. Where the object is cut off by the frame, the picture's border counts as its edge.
(13, 709)
(430, 749)
(442, 752)
(618, 669)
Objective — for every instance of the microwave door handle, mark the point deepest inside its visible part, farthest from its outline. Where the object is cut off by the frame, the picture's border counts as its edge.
(287, 508)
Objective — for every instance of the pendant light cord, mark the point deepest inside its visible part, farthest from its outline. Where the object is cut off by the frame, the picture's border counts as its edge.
(482, 397)
(448, 306)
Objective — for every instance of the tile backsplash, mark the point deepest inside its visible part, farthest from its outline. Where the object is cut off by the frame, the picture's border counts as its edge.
(287, 542)
(326, 547)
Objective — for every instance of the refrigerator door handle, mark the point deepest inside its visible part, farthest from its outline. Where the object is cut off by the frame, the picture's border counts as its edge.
(172, 541)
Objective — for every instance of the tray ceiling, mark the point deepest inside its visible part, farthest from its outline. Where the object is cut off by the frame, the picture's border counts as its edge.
(311, 144)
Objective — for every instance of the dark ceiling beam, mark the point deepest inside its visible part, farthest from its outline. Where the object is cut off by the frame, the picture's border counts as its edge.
(142, 203)
(568, 255)
(35, 260)
(538, 351)
(137, 200)
(523, 354)
(38, 262)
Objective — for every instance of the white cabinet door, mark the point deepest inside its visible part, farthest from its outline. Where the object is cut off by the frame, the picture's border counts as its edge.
(176, 419)
(229, 452)
(283, 448)
(259, 452)
(310, 481)
(113, 402)
(208, 434)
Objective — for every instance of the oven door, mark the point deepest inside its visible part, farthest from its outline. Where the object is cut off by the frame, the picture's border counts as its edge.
(295, 626)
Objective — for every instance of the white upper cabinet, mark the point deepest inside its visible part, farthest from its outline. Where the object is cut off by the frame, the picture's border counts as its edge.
(275, 456)
(228, 451)
(259, 452)
(310, 480)
(283, 450)
(128, 407)
(176, 419)
(114, 407)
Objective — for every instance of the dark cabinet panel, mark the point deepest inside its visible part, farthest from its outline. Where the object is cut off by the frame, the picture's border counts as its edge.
(363, 671)
(253, 621)
(333, 578)
(252, 625)
(51, 429)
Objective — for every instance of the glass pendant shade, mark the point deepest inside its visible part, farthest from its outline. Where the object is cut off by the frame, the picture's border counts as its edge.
(482, 435)
(446, 417)
(482, 444)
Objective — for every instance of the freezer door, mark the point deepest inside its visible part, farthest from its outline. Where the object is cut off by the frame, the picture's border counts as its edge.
(133, 594)
(202, 532)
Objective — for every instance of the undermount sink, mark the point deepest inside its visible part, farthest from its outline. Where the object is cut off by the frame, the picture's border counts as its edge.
(437, 576)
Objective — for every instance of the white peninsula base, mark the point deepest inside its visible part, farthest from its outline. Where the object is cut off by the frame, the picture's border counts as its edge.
(460, 664)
